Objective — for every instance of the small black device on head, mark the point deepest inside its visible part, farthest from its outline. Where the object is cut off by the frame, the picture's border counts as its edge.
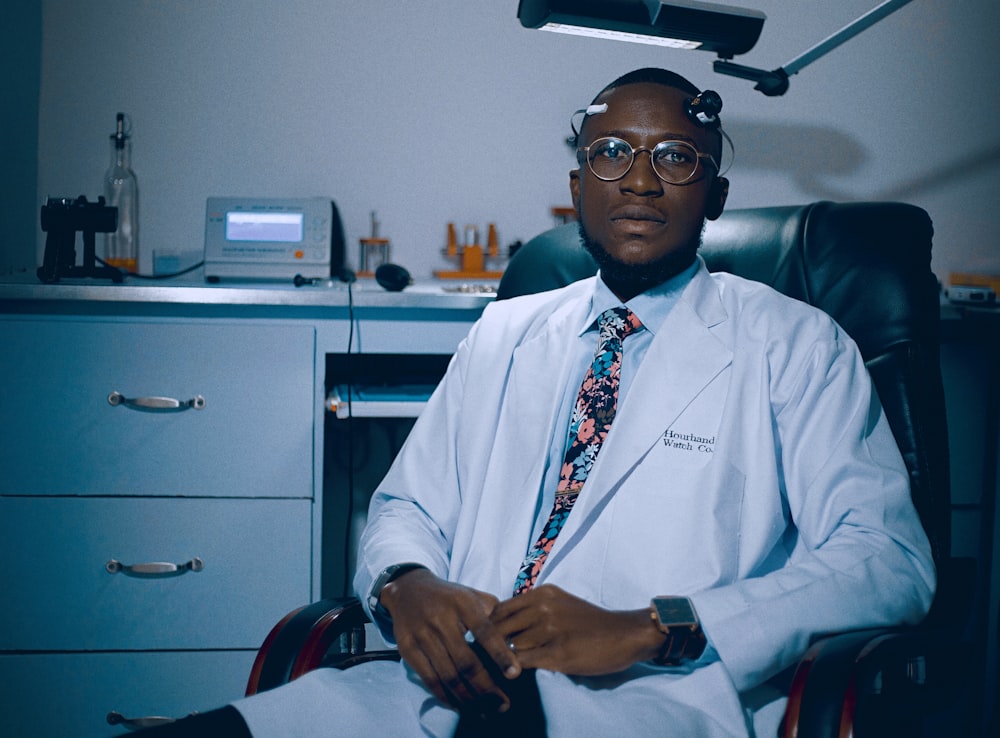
(704, 109)
(393, 277)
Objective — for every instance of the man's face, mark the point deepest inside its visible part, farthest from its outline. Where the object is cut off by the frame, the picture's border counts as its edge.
(645, 230)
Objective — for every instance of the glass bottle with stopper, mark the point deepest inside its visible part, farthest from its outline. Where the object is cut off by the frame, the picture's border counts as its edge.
(121, 190)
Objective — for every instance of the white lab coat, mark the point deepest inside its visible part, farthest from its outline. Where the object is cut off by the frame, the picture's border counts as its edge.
(749, 467)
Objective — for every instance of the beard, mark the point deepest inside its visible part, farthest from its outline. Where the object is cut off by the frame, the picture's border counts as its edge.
(635, 279)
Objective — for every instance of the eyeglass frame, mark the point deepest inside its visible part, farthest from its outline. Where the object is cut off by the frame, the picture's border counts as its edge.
(584, 152)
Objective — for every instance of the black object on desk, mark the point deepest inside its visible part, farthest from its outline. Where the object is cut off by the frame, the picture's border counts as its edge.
(61, 218)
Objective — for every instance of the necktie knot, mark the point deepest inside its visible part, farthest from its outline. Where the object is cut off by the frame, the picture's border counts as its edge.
(614, 324)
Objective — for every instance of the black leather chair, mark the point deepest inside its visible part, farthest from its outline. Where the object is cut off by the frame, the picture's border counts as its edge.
(868, 266)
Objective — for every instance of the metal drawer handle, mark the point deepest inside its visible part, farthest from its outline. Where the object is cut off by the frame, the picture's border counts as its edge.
(160, 404)
(152, 569)
(116, 718)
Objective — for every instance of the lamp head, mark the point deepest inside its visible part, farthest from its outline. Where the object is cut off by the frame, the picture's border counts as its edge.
(684, 24)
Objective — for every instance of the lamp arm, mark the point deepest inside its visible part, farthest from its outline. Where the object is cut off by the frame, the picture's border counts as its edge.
(846, 33)
(775, 82)
(771, 83)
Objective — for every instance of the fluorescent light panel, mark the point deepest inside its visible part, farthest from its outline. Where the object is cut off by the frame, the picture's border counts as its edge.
(688, 24)
(674, 43)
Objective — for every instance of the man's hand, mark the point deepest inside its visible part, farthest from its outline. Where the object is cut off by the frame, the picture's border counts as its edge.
(552, 629)
(430, 619)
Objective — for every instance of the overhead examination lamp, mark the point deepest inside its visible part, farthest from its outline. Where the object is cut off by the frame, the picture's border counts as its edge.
(684, 25)
(688, 24)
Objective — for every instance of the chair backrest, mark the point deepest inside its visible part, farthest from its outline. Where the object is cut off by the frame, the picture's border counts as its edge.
(867, 265)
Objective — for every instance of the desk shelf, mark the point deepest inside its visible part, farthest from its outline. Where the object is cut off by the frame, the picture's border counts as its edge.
(401, 401)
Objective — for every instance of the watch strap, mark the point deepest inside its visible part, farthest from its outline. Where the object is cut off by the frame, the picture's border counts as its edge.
(387, 575)
(681, 644)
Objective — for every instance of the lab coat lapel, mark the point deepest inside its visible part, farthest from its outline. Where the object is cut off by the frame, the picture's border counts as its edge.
(683, 359)
(538, 374)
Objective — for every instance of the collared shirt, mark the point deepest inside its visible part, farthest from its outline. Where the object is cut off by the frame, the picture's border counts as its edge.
(652, 308)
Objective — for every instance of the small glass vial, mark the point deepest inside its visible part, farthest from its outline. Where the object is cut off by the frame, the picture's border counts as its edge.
(121, 190)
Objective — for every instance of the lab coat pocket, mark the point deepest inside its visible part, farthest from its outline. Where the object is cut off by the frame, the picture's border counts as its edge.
(676, 522)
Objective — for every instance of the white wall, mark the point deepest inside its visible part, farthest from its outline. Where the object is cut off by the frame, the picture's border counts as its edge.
(451, 111)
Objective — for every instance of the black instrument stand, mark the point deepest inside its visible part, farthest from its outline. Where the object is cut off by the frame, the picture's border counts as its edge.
(61, 219)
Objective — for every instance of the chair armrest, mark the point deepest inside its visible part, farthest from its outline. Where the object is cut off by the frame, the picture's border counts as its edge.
(880, 682)
(328, 632)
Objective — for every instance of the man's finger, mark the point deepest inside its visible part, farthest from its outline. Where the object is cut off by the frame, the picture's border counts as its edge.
(431, 679)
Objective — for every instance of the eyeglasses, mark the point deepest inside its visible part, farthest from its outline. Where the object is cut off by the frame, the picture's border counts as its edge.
(611, 158)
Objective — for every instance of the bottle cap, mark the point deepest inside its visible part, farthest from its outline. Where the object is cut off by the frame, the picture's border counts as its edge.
(120, 136)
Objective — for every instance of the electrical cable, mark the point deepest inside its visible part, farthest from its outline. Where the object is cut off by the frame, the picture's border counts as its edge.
(349, 520)
(127, 273)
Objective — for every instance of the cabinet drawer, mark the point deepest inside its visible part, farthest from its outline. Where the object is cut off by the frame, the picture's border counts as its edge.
(257, 567)
(253, 437)
(49, 695)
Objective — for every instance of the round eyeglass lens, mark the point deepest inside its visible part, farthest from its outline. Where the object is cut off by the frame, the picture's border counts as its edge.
(610, 158)
(675, 161)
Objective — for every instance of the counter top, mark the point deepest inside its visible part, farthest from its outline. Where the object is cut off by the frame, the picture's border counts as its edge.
(364, 293)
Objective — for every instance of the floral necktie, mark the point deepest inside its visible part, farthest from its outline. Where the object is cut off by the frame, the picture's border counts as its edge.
(592, 415)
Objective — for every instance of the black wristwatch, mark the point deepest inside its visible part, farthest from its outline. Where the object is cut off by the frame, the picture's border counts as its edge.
(387, 575)
(675, 617)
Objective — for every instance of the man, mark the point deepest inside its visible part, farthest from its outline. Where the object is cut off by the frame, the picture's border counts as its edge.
(748, 473)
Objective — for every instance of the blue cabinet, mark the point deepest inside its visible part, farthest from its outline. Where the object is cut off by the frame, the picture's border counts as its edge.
(157, 512)
(51, 695)
(249, 433)
(161, 483)
(95, 572)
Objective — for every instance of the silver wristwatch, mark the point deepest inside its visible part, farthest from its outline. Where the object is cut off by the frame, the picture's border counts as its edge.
(385, 576)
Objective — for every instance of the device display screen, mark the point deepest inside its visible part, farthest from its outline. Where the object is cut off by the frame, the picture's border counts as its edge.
(272, 227)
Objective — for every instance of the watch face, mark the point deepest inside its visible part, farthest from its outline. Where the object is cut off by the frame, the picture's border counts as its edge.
(675, 611)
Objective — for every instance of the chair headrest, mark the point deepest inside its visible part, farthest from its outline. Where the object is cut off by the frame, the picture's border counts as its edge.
(865, 264)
